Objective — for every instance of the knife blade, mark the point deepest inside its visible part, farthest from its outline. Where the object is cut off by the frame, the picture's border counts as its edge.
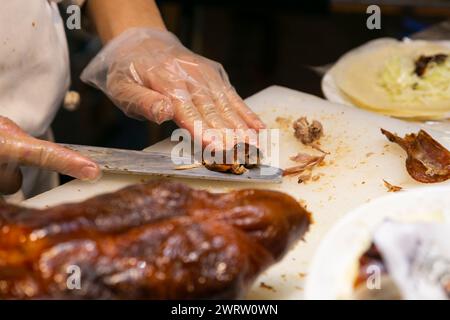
(163, 164)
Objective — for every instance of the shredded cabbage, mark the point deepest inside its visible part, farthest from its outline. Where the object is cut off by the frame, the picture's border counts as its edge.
(403, 84)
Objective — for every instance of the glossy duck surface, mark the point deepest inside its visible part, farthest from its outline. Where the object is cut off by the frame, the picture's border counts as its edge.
(159, 240)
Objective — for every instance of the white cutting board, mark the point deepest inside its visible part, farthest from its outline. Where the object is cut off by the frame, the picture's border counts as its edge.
(360, 159)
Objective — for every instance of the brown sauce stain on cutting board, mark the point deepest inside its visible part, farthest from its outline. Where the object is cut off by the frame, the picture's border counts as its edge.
(263, 285)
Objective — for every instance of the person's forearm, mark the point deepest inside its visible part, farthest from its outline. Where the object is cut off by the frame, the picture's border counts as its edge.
(112, 17)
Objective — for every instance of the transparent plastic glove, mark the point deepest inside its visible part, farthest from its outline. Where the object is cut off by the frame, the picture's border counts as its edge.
(18, 148)
(149, 74)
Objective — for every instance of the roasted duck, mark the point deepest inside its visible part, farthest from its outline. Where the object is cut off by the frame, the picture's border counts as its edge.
(428, 161)
(159, 240)
(241, 157)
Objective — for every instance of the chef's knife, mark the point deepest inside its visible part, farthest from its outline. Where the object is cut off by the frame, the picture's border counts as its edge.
(163, 164)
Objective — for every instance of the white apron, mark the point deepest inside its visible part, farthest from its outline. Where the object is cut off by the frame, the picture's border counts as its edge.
(34, 72)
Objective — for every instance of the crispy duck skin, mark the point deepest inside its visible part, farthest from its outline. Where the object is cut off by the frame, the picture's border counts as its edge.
(428, 161)
(159, 240)
(244, 156)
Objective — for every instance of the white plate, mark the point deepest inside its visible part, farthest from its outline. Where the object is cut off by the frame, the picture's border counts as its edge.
(335, 263)
(332, 92)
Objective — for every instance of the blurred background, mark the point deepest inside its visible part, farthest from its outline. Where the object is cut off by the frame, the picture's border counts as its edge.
(259, 44)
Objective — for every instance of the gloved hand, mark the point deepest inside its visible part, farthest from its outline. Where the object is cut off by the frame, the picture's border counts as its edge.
(149, 74)
(18, 148)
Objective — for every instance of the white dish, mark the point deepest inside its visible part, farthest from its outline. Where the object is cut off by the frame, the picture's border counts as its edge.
(333, 269)
(331, 90)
